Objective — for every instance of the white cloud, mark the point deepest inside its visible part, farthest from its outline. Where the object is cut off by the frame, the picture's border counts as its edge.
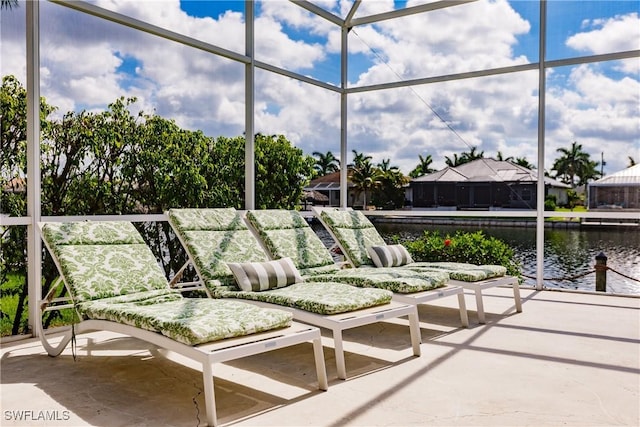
(616, 34)
(600, 113)
(93, 62)
(277, 48)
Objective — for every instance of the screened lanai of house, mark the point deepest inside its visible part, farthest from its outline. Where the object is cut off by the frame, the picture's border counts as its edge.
(361, 81)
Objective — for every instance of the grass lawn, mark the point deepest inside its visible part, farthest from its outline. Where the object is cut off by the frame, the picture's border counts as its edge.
(10, 291)
(9, 299)
(576, 209)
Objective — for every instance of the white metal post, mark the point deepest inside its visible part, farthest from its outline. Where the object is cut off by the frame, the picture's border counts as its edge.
(34, 244)
(542, 79)
(344, 189)
(249, 97)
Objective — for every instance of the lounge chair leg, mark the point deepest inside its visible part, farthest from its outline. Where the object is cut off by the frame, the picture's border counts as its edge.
(52, 350)
(340, 363)
(209, 395)
(414, 330)
(516, 296)
(321, 371)
(480, 306)
(464, 316)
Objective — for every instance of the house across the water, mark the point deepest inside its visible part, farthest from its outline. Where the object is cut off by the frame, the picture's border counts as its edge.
(620, 190)
(483, 184)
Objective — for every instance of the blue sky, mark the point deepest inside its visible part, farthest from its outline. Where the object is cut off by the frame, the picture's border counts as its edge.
(91, 63)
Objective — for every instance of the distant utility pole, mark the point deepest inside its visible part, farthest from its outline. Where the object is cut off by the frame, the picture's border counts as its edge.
(602, 163)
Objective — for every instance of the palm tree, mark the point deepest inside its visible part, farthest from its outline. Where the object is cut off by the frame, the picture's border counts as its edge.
(326, 163)
(501, 158)
(359, 159)
(456, 161)
(522, 161)
(8, 4)
(469, 156)
(465, 157)
(391, 187)
(575, 167)
(423, 168)
(632, 162)
(364, 177)
(588, 172)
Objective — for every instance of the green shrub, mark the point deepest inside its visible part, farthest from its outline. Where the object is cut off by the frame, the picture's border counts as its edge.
(550, 203)
(474, 248)
(11, 290)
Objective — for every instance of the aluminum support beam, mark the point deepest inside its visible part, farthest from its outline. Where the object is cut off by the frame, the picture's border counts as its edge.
(249, 99)
(344, 105)
(542, 79)
(34, 244)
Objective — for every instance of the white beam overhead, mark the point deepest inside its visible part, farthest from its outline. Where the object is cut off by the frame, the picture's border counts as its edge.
(427, 7)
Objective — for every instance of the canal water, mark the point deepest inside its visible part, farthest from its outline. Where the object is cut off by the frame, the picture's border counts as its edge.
(568, 252)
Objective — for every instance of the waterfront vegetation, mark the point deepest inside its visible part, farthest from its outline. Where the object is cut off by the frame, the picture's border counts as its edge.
(569, 252)
(461, 246)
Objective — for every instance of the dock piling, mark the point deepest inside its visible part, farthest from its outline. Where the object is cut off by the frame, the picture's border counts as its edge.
(601, 272)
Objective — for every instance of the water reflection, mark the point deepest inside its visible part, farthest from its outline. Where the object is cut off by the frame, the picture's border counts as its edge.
(568, 253)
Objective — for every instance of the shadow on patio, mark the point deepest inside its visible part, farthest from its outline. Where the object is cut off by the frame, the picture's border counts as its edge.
(568, 359)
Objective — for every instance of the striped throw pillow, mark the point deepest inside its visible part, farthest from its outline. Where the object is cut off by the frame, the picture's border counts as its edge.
(389, 255)
(262, 276)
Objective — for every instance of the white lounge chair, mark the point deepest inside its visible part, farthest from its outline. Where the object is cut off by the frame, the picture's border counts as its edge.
(355, 235)
(225, 253)
(115, 284)
(286, 234)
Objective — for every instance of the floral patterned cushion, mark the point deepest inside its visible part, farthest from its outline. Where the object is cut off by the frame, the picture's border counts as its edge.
(301, 244)
(463, 271)
(394, 279)
(110, 260)
(346, 219)
(321, 298)
(215, 237)
(305, 250)
(319, 270)
(293, 238)
(211, 250)
(276, 219)
(215, 219)
(113, 275)
(189, 320)
(355, 243)
(91, 233)
(355, 233)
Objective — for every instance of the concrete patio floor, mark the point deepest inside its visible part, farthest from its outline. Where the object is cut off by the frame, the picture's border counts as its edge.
(568, 359)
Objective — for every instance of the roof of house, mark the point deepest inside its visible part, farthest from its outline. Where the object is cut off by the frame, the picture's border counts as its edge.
(627, 177)
(487, 170)
(330, 181)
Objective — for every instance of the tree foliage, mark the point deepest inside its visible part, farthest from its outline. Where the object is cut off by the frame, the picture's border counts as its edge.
(8, 4)
(390, 191)
(282, 172)
(116, 162)
(325, 163)
(423, 167)
(465, 157)
(462, 246)
(13, 142)
(365, 178)
(574, 166)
